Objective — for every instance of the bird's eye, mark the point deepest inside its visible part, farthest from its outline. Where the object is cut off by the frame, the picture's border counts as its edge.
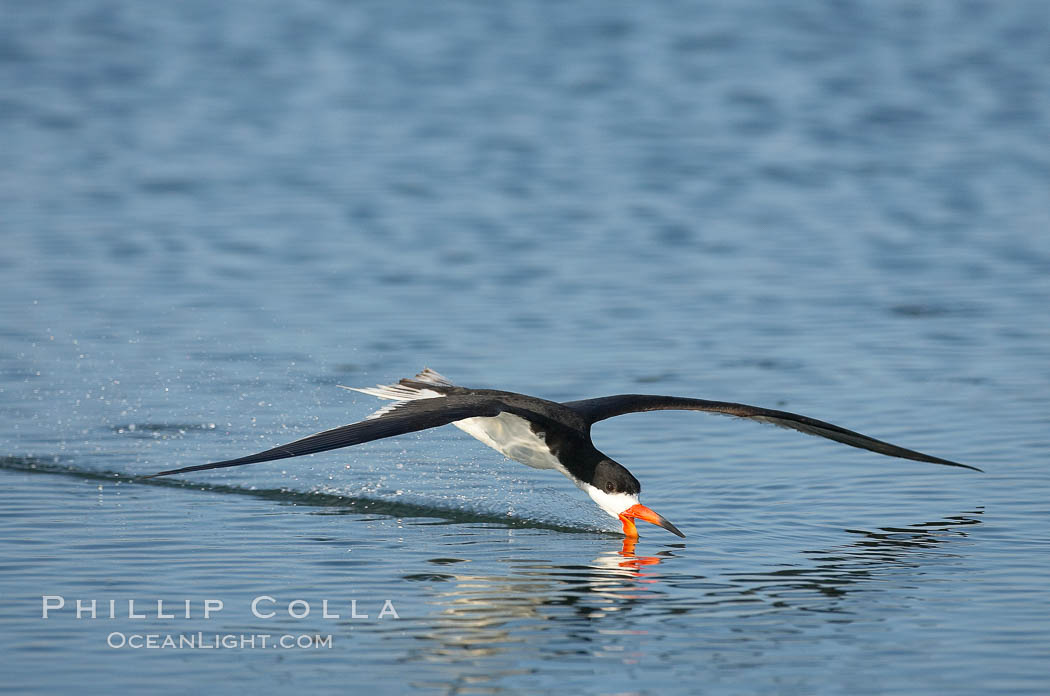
(610, 487)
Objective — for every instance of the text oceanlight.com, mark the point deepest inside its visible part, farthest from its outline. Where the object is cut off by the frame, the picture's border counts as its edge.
(217, 641)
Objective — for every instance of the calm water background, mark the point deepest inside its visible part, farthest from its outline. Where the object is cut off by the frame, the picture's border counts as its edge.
(212, 214)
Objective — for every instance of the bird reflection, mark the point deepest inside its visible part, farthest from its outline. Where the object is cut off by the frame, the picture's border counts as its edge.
(486, 620)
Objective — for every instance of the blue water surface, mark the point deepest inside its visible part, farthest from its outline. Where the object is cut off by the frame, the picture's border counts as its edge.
(215, 213)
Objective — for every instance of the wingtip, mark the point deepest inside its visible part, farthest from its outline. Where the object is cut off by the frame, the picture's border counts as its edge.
(948, 462)
(185, 470)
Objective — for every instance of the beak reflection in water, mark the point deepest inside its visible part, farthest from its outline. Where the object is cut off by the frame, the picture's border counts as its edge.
(630, 559)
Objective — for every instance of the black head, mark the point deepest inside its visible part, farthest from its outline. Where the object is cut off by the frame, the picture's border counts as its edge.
(610, 477)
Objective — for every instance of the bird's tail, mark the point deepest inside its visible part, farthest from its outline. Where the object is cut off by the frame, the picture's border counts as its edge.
(428, 384)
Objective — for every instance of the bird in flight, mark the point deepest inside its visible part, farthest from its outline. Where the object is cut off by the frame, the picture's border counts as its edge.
(544, 434)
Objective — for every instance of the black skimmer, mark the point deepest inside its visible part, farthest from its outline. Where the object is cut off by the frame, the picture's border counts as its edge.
(543, 434)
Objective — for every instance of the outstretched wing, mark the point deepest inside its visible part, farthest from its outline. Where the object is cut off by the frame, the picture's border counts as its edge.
(409, 417)
(595, 410)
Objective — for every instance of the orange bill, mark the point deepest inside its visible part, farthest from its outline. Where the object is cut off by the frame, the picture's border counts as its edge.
(640, 512)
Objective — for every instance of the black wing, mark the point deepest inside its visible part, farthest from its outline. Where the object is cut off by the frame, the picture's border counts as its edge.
(595, 410)
(407, 418)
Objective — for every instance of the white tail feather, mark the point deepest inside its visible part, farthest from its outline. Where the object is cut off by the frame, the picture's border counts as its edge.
(432, 377)
(403, 393)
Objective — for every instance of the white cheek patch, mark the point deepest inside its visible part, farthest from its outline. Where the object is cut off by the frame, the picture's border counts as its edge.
(612, 503)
